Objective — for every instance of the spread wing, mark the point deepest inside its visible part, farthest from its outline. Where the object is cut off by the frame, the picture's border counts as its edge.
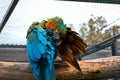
(71, 46)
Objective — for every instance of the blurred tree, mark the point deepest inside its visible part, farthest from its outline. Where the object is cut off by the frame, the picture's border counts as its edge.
(107, 34)
(93, 31)
(115, 29)
(83, 30)
(71, 26)
(92, 34)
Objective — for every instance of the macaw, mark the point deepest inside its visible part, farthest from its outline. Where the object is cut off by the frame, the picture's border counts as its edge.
(48, 39)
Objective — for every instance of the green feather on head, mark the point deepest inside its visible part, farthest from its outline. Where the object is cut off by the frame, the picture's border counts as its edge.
(61, 27)
(56, 21)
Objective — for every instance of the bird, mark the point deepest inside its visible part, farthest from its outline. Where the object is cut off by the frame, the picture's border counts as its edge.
(48, 39)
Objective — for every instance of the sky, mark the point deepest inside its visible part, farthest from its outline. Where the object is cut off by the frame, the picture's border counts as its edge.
(28, 11)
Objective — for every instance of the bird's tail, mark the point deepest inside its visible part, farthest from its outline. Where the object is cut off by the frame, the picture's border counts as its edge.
(46, 68)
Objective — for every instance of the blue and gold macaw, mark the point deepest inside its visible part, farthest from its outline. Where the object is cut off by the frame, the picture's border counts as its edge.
(48, 39)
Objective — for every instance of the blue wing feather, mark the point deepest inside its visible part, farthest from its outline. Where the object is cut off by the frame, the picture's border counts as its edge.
(41, 50)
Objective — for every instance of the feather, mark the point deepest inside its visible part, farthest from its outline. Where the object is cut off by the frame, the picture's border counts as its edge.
(74, 40)
(66, 55)
(41, 51)
(71, 46)
(59, 24)
(43, 38)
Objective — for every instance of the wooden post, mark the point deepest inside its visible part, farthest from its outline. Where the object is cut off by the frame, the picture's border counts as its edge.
(114, 48)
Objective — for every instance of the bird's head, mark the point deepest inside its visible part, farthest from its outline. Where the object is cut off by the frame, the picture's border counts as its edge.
(57, 25)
